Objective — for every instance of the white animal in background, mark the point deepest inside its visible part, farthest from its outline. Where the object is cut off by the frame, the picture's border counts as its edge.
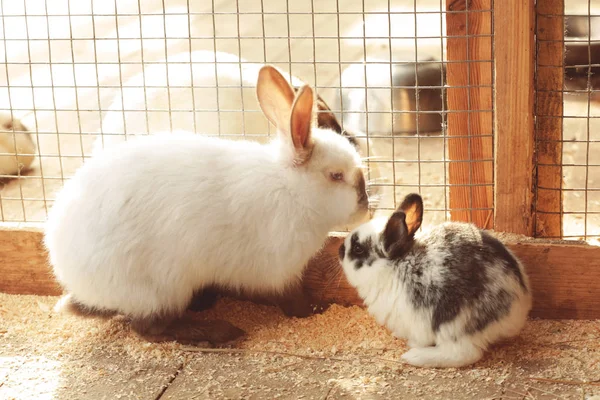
(204, 91)
(451, 291)
(17, 148)
(131, 234)
(213, 94)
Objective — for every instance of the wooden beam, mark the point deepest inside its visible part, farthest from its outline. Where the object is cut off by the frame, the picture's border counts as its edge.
(565, 277)
(549, 112)
(469, 97)
(514, 49)
(23, 264)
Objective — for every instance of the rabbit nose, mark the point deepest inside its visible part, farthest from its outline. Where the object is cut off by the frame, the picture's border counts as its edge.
(342, 251)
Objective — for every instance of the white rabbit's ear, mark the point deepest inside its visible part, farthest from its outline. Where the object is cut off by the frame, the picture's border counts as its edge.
(275, 96)
(301, 122)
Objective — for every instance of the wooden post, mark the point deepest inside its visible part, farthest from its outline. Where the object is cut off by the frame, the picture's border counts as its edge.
(549, 113)
(469, 97)
(514, 47)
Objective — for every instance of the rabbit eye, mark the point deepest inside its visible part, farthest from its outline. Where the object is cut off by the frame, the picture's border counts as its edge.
(337, 176)
(357, 249)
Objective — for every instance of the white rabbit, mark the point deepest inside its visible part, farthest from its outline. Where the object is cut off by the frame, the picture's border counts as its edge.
(451, 291)
(131, 234)
(17, 149)
(216, 88)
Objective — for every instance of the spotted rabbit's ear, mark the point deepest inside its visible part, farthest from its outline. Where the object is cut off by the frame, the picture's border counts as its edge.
(400, 229)
(412, 206)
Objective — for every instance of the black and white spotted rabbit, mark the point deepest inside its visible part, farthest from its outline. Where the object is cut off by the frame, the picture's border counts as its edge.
(451, 291)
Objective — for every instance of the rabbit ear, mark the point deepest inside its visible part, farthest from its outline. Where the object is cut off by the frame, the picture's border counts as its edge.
(301, 124)
(412, 206)
(395, 235)
(400, 229)
(275, 96)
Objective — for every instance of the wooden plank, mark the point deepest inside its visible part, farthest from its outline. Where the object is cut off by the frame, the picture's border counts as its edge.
(324, 278)
(255, 375)
(25, 270)
(565, 276)
(549, 112)
(514, 123)
(23, 263)
(565, 279)
(46, 356)
(469, 98)
(96, 377)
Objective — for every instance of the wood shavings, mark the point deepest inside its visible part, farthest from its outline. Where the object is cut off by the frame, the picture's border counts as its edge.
(566, 382)
(342, 352)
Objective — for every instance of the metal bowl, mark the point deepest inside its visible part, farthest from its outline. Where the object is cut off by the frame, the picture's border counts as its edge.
(578, 26)
(582, 51)
(396, 98)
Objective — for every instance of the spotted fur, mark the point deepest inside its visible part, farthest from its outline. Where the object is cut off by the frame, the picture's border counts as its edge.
(451, 291)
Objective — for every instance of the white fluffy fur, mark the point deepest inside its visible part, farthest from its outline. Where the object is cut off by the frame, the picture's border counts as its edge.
(385, 296)
(130, 232)
(17, 149)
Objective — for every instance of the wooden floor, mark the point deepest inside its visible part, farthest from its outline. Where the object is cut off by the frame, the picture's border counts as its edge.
(341, 354)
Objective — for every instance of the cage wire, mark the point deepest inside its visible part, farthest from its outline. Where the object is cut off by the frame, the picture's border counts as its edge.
(82, 75)
(569, 157)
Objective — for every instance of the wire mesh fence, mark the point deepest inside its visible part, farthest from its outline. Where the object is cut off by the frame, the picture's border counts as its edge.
(413, 80)
(568, 119)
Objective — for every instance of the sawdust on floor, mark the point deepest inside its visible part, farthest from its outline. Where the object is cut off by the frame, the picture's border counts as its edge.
(341, 353)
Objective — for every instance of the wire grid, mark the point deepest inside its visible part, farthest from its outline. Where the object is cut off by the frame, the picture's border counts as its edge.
(578, 145)
(88, 74)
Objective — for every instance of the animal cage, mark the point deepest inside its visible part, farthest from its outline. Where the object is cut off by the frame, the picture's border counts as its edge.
(471, 103)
